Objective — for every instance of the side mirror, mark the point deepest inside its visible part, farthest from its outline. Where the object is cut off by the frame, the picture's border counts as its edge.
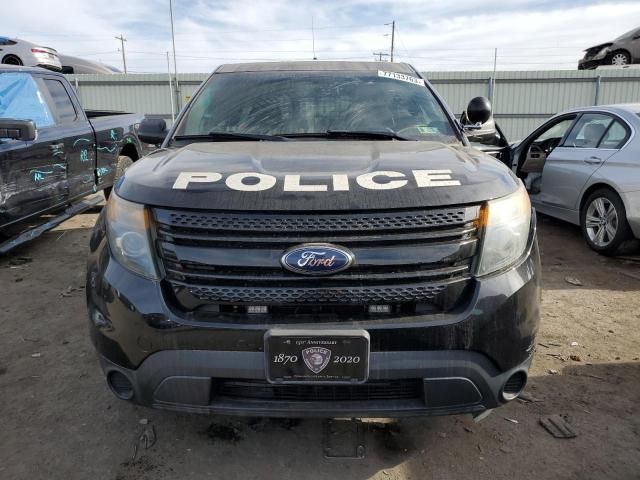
(478, 111)
(17, 129)
(152, 130)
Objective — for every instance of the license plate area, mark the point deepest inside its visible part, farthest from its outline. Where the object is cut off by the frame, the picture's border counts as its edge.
(308, 356)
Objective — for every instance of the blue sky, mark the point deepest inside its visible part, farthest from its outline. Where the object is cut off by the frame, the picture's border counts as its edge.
(433, 35)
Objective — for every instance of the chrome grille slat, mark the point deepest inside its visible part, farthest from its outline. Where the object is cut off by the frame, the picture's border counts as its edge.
(259, 239)
(278, 275)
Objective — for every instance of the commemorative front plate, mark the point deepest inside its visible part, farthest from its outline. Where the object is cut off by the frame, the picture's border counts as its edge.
(309, 356)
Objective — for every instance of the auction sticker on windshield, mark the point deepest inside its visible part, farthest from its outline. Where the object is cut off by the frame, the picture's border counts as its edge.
(402, 77)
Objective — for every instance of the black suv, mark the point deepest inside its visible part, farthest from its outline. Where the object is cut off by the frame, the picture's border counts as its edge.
(315, 239)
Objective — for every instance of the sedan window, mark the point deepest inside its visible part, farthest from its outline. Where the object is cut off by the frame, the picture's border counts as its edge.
(615, 136)
(588, 130)
(553, 135)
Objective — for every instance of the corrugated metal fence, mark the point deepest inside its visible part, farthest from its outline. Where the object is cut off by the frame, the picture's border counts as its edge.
(522, 100)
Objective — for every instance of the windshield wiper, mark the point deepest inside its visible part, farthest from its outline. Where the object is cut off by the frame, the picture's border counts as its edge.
(214, 136)
(381, 134)
(363, 134)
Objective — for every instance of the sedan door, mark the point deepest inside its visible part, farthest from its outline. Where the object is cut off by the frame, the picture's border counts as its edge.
(570, 165)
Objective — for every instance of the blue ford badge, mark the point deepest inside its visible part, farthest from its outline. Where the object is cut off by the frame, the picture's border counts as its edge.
(317, 259)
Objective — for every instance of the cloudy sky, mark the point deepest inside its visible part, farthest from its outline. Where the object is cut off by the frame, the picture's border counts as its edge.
(433, 35)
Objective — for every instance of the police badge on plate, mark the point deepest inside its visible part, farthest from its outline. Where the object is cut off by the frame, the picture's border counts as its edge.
(316, 356)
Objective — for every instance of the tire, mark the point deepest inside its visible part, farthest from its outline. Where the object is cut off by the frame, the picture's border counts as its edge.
(603, 220)
(620, 57)
(124, 162)
(12, 60)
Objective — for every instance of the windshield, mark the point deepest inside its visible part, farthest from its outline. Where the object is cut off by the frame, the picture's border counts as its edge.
(298, 103)
(628, 34)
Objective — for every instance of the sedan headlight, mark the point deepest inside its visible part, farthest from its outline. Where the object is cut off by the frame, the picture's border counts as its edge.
(506, 223)
(601, 54)
(128, 233)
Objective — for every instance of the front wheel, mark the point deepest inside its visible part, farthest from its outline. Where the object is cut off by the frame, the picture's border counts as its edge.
(124, 162)
(604, 222)
(620, 58)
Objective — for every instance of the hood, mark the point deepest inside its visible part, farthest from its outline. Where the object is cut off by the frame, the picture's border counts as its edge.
(596, 48)
(315, 175)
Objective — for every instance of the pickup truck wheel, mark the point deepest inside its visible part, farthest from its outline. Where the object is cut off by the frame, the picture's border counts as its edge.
(604, 222)
(124, 162)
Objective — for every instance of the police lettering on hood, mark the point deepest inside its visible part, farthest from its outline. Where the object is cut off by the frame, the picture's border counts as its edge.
(379, 180)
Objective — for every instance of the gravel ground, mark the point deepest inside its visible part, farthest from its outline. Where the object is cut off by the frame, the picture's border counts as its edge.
(59, 421)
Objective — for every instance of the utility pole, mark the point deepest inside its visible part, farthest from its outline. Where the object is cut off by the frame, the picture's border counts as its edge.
(393, 37)
(175, 66)
(313, 39)
(380, 55)
(124, 59)
(173, 110)
(493, 79)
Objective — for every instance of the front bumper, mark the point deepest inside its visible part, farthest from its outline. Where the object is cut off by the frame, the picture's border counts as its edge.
(461, 360)
(589, 63)
(450, 382)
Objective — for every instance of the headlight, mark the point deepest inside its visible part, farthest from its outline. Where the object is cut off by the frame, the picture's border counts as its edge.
(128, 234)
(506, 222)
(601, 54)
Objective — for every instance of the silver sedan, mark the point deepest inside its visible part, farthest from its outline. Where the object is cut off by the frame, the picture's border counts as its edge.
(14, 51)
(583, 166)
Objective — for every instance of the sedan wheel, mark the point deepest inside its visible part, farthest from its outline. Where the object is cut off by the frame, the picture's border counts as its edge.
(601, 222)
(604, 221)
(11, 60)
(620, 58)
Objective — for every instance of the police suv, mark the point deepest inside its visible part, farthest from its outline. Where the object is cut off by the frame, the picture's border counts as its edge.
(316, 239)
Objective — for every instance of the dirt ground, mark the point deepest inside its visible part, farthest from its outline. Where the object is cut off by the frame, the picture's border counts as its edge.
(58, 420)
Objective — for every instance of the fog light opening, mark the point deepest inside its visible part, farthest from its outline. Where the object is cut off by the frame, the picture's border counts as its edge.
(514, 386)
(120, 385)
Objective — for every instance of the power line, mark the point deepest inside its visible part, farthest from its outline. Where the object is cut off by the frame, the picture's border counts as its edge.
(403, 45)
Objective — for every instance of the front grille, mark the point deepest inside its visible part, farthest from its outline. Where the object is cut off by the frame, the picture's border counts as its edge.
(318, 223)
(375, 390)
(401, 257)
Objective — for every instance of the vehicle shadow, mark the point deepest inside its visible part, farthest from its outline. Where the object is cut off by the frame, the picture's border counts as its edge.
(600, 402)
(71, 237)
(566, 258)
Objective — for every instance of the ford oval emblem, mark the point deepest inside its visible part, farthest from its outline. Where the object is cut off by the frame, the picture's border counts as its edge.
(317, 259)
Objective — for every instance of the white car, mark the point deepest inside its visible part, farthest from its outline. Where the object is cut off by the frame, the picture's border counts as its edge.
(583, 166)
(14, 51)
